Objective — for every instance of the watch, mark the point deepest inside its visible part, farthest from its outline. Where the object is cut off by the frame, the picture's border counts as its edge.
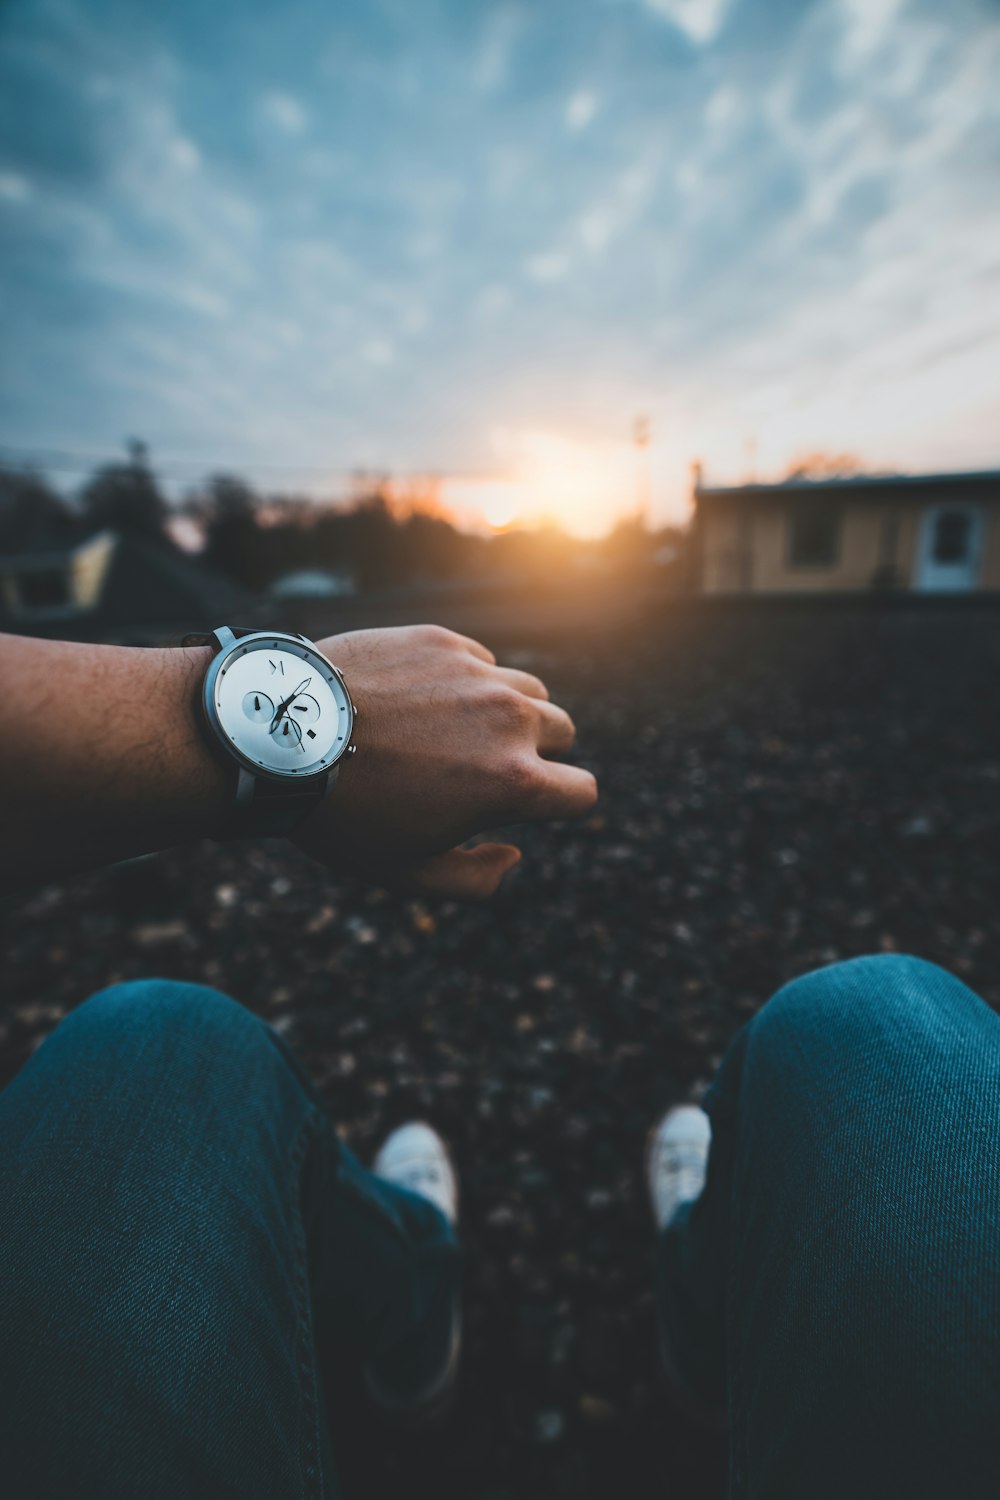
(282, 715)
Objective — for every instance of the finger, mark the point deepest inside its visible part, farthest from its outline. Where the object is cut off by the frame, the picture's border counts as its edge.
(555, 791)
(468, 874)
(556, 730)
(524, 682)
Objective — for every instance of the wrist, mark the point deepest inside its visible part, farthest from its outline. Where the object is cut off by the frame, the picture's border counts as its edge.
(194, 781)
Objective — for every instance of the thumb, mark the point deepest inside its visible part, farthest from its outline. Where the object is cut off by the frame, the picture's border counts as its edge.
(468, 874)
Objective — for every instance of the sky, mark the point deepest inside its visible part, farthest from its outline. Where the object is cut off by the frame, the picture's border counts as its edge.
(481, 237)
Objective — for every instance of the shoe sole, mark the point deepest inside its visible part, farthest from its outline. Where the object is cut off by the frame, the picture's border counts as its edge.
(437, 1398)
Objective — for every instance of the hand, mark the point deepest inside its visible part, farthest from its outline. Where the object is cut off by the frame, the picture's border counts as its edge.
(450, 745)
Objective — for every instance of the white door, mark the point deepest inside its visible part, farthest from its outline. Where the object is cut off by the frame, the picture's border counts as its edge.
(951, 545)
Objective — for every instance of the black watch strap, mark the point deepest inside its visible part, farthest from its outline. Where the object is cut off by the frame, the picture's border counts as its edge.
(268, 809)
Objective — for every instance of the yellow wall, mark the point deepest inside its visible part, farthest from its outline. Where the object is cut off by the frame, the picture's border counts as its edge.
(745, 546)
(89, 569)
(723, 562)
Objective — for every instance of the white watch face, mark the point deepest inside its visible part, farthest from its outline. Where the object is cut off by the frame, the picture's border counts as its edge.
(281, 706)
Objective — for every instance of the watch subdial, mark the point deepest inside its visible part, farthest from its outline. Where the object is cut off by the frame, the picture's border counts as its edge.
(288, 734)
(305, 710)
(258, 708)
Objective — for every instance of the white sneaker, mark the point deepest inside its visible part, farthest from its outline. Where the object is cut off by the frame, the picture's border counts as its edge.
(677, 1160)
(676, 1168)
(415, 1157)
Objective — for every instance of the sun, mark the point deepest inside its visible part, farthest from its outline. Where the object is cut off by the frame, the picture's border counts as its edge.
(581, 485)
(501, 504)
(545, 477)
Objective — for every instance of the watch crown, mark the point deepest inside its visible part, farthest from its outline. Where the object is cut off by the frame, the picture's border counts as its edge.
(351, 750)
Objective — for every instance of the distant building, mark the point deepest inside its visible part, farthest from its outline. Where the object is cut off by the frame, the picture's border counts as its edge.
(113, 587)
(936, 533)
(313, 583)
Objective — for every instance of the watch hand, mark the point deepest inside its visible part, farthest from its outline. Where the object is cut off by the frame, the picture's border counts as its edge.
(284, 705)
(291, 728)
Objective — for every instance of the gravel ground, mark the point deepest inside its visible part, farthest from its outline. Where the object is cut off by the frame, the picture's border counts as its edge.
(780, 789)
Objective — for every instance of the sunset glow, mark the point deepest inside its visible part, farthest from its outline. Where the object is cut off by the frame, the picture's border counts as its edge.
(770, 229)
(546, 477)
(500, 502)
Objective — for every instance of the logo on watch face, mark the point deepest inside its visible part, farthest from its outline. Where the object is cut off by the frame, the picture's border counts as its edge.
(282, 707)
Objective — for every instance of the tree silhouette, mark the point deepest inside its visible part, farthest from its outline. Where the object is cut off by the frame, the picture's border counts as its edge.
(125, 497)
(819, 466)
(32, 515)
(228, 511)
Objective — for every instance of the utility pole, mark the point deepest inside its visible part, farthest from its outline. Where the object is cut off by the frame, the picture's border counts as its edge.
(641, 438)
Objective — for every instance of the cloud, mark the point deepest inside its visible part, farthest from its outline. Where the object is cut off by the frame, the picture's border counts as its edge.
(284, 112)
(617, 210)
(700, 20)
(492, 63)
(378, 352)
(14, 188)
(580, 110)
(184, 153)
(869, 23)
(550, 265)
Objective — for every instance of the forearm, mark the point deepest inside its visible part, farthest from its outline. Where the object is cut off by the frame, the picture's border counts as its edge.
(101, 756)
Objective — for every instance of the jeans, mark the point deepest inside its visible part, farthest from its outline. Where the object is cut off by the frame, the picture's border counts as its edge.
(189, 1257)
(836, 1287)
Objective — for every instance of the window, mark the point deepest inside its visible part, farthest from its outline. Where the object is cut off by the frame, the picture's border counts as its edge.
(813, 536)
(952, 537)
(43, 588)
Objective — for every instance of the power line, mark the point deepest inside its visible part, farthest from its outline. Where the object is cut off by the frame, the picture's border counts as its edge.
(74, 461)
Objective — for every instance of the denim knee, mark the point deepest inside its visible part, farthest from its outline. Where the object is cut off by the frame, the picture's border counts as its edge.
(170, 1004)
(154, 1251)
(140, 1020)
(885, 992)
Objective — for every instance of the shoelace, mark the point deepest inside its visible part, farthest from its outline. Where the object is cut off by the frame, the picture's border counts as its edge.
(682, 1172)
(413, 1176)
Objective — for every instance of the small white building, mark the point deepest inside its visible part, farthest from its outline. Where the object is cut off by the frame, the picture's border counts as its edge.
(313, 583)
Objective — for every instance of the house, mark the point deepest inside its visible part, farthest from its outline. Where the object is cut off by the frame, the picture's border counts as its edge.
(934, 533)
(113, 587)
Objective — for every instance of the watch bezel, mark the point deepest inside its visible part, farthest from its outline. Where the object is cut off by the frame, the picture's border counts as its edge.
(217, 669)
